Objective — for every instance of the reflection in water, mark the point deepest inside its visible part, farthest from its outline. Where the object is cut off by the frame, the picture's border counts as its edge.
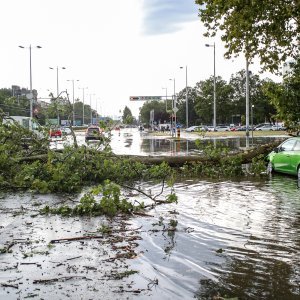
(137, 143)
(188, 147)
(234, 239)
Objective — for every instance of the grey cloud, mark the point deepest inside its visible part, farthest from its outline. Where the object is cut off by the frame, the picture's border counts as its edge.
(166, 16)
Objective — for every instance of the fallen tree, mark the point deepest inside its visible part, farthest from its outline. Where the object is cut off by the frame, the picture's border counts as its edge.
(44, 170)
(247, 155)
(178, 161)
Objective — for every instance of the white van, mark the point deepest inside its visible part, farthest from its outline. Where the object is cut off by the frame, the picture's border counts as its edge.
(26, 122)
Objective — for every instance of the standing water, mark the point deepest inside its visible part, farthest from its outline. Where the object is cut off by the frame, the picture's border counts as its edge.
(236, 240)
(223, 239)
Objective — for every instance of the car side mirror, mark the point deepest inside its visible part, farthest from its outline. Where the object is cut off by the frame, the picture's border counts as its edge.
(277, 149)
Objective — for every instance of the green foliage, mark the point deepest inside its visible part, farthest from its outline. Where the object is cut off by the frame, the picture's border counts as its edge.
(264, 28)
(172, 198)
(124, 274)
(127, 116)
(204, 100)
(230, 102)
(104, 229)
(159, 172)
(67, 171)
(263, 109)
(160, 112)
(285, 97)
(14, 106)
(105, 199)
(219, 163)
(213, 152)
(258, 165)
(173, 223)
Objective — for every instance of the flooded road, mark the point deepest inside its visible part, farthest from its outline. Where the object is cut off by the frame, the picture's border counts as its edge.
(230, 239)
(227, 238)
(234, 239)
(130, 141)
(133, 142)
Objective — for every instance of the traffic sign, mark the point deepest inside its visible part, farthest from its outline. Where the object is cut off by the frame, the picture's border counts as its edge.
(133, 98)
(144, 98)
(175, 109)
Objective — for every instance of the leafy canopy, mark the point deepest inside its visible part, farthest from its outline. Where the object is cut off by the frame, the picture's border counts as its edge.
(268, 29)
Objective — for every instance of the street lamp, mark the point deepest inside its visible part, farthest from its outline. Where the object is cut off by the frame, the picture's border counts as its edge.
(215, 94)
(247, 101)
(252, 106)
(83, 88)
(63, 68)
(186, 99)
(57, 90)
(30, 68)
(174, 108)
(73, 80)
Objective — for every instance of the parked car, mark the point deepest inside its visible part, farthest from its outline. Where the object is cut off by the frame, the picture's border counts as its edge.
(55, 132)
(66, 130)
(196, 128)
(211, 128)
(285, 158)
(265, 127)
(222, 128)
(278, 127)
(261, 125)
(93, 133)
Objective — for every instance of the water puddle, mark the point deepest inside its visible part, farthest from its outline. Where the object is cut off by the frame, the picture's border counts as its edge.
(227, 238)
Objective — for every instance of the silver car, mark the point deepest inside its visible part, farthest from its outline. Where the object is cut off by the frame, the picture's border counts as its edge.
(223, 128)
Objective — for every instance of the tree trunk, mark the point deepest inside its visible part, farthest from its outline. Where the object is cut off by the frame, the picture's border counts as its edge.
(179, 161)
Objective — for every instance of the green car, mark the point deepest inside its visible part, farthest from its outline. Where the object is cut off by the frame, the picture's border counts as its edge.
(285, 158)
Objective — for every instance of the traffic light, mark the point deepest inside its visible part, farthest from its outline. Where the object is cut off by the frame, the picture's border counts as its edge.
(35, 113)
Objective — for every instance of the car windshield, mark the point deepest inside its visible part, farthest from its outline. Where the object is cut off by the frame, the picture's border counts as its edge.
(297, 146)
(288, 145)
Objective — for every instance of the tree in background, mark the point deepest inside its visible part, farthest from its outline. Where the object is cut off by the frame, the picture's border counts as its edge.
(160, 114)
(205, 99)
(127, 116)
(14, 105)
(268, 29)
(264, 110)
(286, 97)
(181, 105)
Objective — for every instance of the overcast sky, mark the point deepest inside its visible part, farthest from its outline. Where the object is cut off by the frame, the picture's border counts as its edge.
(115, 48)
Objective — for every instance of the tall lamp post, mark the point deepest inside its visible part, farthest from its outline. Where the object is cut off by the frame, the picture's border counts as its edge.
(30, 72)
(57, 86)
(57, 90)
(247, 103)
(73, 80)
(252, 106)
(186, 99)
(83, 88)
(174, 108)
(215, 93)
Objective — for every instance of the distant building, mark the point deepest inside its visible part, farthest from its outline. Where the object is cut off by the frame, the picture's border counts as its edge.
(43, 104)
(18, 91)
